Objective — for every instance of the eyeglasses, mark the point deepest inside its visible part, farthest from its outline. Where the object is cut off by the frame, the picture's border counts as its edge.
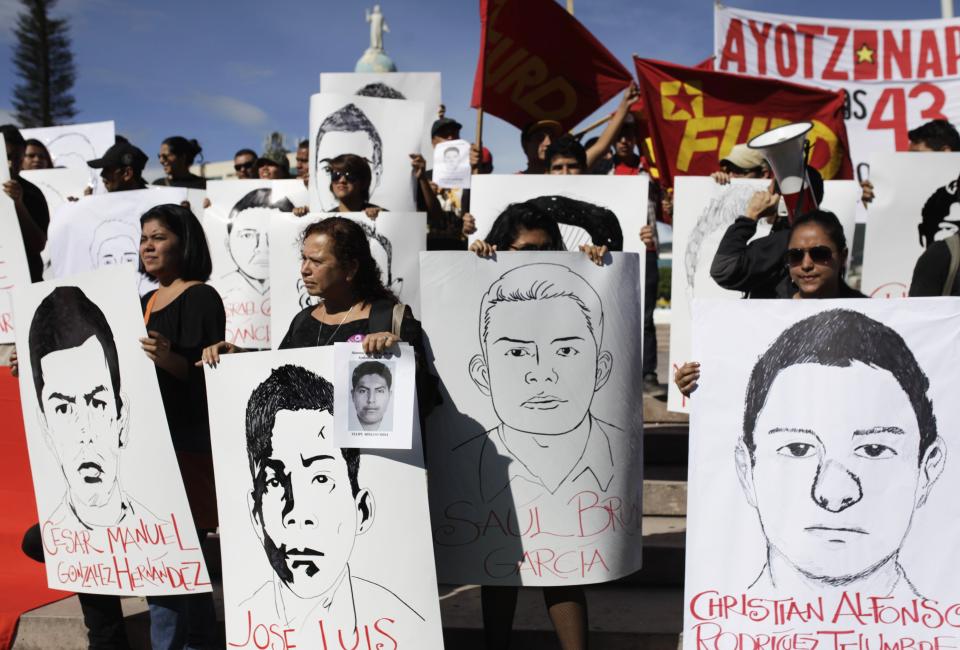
(818, 255)
(241, 166)
(336, 175)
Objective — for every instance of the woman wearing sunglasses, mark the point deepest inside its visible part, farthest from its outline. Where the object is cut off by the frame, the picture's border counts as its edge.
(816, 261)
(350, 184)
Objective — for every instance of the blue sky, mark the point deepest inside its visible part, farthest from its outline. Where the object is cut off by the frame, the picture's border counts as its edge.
(227, 73)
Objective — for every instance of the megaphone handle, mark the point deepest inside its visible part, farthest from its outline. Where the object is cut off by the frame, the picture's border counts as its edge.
(861, 176)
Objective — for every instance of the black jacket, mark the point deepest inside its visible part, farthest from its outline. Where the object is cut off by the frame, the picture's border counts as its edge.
(756, 268)
(930, 273)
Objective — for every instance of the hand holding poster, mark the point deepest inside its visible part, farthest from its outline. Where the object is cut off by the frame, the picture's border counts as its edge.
(113, 511)
(383, 131)
(313, 535)
(541, 434)
(375, 397)
(822, 503)
(917, 204)
(451, 164)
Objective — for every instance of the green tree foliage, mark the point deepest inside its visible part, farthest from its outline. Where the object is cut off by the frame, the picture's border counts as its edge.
(44, 65)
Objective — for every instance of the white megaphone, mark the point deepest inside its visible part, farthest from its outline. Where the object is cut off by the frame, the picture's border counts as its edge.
(784, 149)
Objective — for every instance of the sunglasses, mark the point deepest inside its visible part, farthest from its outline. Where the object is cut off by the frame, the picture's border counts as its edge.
(246, 165)
(337, 175)
(818, 255)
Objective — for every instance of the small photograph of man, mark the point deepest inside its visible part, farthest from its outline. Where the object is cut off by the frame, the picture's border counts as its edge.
(371, 393)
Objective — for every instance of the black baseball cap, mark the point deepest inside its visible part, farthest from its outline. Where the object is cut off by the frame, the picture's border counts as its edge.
(442, 122)
(122, 154)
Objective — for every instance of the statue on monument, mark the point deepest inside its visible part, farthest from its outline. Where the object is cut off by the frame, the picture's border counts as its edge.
(377, 27)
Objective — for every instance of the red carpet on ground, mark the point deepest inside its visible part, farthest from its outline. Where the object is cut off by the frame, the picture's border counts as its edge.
(23, 582)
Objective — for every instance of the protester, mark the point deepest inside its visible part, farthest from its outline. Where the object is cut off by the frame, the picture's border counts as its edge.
(620, 132)
(935, 273)
(32, 213)
(566, 156)
(121, 168)
(245, 164)
(741, 162)
(303, 161)
(604, 164)
(183, 316)
(176, 155)
(756, 267)
(448, 209)
(535, 139)
(816, 258)
(350, 184)
(273, 169)
(36, 156)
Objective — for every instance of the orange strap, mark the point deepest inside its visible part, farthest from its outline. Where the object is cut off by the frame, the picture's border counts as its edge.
(149, 309)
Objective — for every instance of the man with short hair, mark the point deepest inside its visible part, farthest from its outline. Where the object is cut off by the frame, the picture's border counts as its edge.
(303, 161)
(741, 162)
(371, 392)
(935, 135)
(121, 168)
(836, 481)
(566, 156)
(307, 507)
(31, 208)
(245, 164)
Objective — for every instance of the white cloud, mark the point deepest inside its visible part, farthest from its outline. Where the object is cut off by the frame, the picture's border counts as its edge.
(232, 109)
(248, 71)
(6, 116)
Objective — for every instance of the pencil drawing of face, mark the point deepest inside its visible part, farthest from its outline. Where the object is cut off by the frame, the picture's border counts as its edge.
(114, 242)
(306, 503)
(248, 240)
(839, 448)
(347, 130)
(541, 335)
(76, 376)
(372, 388)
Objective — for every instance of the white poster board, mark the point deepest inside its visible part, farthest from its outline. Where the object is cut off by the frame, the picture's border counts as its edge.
(917, 201)
(72, 145)
(14, 271)
(616, 206)
(822, 496)
(422, 87)
(396, 240)
(313, 536)
(536, 477)
(451, 164)
(897, 74)
(384, 131)
(237, 226)
(103, 230)
(4, 163)
(113, 511)
(375, 396)
(58, 185)
(703, 210)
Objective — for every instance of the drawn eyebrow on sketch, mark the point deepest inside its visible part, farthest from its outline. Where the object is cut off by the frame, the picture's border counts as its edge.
(307, 462)
(897, 431)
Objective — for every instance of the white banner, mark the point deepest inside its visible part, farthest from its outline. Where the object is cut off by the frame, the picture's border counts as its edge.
(72, 145)
(536, 477)
(14, 271)
(897, 74)
(822, 507)
(113, 511)
(703, 210)
(237, 226)
(103, 230)
(422, 87)
(602, 206)
(396, 240)
(322, 547)
(917, 204)
(384, 131)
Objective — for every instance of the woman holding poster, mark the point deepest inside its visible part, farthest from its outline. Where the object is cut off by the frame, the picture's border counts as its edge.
(182, 316)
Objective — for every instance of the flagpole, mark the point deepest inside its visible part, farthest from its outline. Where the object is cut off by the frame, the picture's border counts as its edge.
(946, 7)
(480, 129)
(591, 127)
(570, 6)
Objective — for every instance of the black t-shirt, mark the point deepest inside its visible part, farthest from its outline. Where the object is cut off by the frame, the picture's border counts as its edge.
(37, 207)
(305, 331)
(190, 181)
(930, 273)
(194, 320)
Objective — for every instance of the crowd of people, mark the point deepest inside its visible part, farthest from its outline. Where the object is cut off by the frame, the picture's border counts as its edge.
(185, 320)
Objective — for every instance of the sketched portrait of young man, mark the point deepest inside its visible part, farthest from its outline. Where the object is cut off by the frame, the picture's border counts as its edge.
(248, 241)
(371, 391)
(82, 412)
(347, 130)
(307, 507)
(836, 481)
(541, 361)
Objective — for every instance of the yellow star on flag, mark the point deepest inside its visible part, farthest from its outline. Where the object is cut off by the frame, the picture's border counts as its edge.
(865, 54)
(681, 100)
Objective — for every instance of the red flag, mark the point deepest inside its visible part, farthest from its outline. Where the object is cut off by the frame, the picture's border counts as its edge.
(537, 62)
(696, 116)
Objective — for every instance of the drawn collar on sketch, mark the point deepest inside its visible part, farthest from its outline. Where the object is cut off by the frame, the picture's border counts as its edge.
(541, 373)
(83, 415)
(836, 487)
(306, 504)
